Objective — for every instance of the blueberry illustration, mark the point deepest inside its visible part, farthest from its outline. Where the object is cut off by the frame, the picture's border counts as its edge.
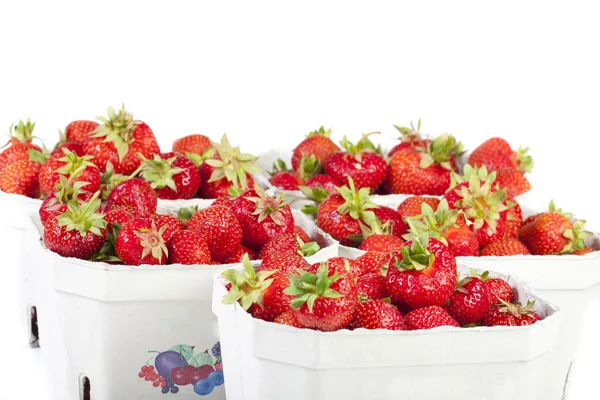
(165, 390)
(174, 389)
(216, 350)
(203, 387)
(216, 378)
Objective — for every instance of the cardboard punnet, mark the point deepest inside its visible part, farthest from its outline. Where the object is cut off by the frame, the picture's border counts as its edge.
(100, 322)
(268, 361)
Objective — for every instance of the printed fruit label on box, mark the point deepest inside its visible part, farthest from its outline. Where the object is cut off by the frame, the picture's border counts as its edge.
(181, 366)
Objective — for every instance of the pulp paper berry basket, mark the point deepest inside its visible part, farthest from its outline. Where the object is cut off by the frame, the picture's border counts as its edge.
(268, 361)
(102, 326)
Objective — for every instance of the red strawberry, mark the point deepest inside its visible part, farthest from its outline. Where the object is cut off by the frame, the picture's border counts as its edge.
(553, 233)
(372, 286)
(288, 243)
(238, 255)
(173, 224)
(194, 145)
(79, 232)
(21, 177)
(423, 274)
(505, 247)
(411, 207)
(377, 314)
(410, 137)
(423, 170)
(285, 262)
(173, 176)
(59, 149)
(469, 302)
(317, 144)
(324, 182)
(187, 247)
(324, 299)
(388, 216)
(20, 136)
(341, 266)
(506, 314)
(120, 140)
(221, 230)
(382, 243)
(428, 318)
(78, 131)
(514, 181)
(303, 235)
(55, 203)
(140, 241)
(309, 168)
(262, 217)
(372, 262)
(359, 162)
(496, 154)
(229, 169)
(69, 164)
(287, 318)
(119, 216)
(110, 180)
(282, 177)
(134, 195)
(514, 218)
(582, 252)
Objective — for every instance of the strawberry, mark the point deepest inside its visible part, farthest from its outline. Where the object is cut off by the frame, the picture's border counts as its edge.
(582, 252)
(423, 169)
(483, 206)
(69, 164)
(410, 137)
(287, 318)
(377, 314)
(506, 314)
(422, 274)
(172, 176)
(309, 168)
(288, 243)
(325, 299)
(193, 146)
(134, 195)
(262, 293)
(119, 216)
(173, 224)
(20, 136)
(505, 247)
(514, 218)
(372, 286)
(324, 182)
(428, 318)
(229, 169)
(469, 302)
(59, 149)
(382, 243)
(140, 241)
(78, 131)
(359, 162)
(371, 262)
(187, 247)
(303, 235)
(282, 177)
(120, 139)
(411, 207)
(110, 179)
(317, 144)
(284, 262)
(514, 181)
(79, 232)
(389, 216)
(21, 177)
(55, 203)
(496, 155)
(262, 217)
(221, 230)
(553, 233)
(499, 289)
(238, 255)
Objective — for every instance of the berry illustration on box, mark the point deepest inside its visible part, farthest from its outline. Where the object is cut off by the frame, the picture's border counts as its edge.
(181, 366)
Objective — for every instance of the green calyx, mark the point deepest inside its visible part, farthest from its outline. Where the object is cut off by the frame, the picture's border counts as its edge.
(159, 172)
(363, 145)
(21, 132)
(232, 164)
(440, 151)
(247, 286)
(320, 132)
(267, 206)
(576, 236)
(517, 310)
(307, 288)
(435, 223)
(460, 285)
(307, 249)
(357, 203)
(416, 257)
(553, 209)
(484, 276)
(198, 159)
(152, 241)
(524, 161)
(409, 134)
(317, 195)
(309, 167)
(110, 179)
(39, 156)
(108, 253)
(186, 213)
(73, 164)
(83, 218)
(279, 166)
(117, 129)
(376, 227)
(66, 190)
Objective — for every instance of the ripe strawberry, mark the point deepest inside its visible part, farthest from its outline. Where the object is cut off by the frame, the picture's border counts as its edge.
(496, 154)
(341, 266)
(187, 247)
(324, 299)
(411, 207)
(288, 243)
(261, 293)
(134, 195)
(59, 149)
(173, 224)
(423, 169)
(410, 137)
(20, 136)
(462, 242)
(372, 286)
(238, 255)
(582, 252)
(140, 241)
(359, 162)
(284, 262)
(469, 302)
(514, 181)
(317, 144)
(303, 235)
(221, 230)
(55, 203)
(506, 314)
(377, 314)
(229, 169)
(120, 139)
(69, 164)
(324, 182)
(79, 232)
(282, 177)
(372, 262)
(553, 233)
(483, 206)
(382, 243)
(505, 247)
(194, 145)
(110, 180)
(423, 274)
(514, 218)
(262, 217)
(21, 177)
(119, 216)
(172, 176)
(78, 131)
(428, 318)
(287, 318)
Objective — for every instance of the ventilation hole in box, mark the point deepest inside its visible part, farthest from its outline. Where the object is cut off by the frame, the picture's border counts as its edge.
(85, 388)
(34, 333)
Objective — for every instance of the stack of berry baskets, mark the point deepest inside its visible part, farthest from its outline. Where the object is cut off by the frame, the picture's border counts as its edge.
(325, 335)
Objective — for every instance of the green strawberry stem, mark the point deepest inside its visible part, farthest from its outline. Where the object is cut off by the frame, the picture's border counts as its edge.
(307, 287)
(247, 287)
(416, 257)
(231, 164)
(159, 172)
(267, 206)
(320, 132)
(118, 129)
(357, 202)
(440, 151)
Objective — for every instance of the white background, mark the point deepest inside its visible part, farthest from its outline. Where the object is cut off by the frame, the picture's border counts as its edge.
(268, 72)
